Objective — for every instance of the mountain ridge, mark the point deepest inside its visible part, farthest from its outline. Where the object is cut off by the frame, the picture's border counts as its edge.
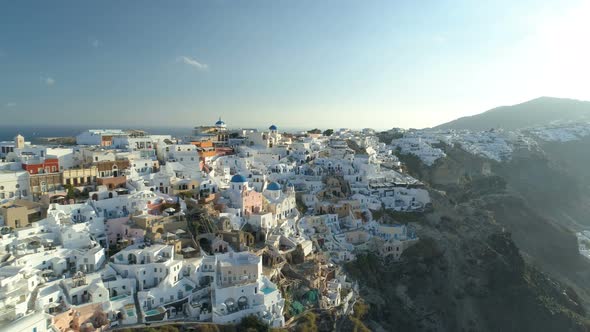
(535, 112)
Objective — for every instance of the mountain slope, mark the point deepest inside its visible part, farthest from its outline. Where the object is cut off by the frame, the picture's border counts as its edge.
(465, 274)
(540, 111)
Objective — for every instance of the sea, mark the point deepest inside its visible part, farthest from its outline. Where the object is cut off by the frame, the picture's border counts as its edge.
(34, 133)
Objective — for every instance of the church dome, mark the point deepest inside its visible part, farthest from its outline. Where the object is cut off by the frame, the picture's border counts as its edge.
(273, 186)
(220, 122)
(273, 127)
(238, 178)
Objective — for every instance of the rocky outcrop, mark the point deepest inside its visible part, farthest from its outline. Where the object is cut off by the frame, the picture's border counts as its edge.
(489, 258)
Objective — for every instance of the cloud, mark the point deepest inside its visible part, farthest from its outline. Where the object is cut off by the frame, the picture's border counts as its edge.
(95, 43)
(48, 80)
(10, 105)
(192, 62)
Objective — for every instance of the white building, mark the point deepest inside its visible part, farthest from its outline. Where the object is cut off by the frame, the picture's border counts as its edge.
(102, 137)
(14, 184)
(240, 289)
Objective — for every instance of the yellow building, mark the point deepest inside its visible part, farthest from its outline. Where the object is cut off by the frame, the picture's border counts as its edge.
(21, 213)
(80, 177)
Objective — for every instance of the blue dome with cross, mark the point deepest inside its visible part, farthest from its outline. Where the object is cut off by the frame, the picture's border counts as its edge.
(238, 178)
(274, 186)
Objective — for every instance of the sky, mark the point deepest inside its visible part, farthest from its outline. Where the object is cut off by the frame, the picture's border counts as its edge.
(296, 64)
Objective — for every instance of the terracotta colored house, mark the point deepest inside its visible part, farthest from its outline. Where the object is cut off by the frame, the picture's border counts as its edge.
(111, 173)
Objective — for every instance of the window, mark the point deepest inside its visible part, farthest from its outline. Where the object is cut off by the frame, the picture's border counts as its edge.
(17, 186)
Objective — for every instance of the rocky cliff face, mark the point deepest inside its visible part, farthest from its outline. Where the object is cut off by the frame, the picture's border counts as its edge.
(491, 257)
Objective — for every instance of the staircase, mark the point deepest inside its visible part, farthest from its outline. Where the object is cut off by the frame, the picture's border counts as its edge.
(32, 300)
(137, 309)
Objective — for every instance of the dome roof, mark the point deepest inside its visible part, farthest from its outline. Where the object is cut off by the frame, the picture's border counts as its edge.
(238, 178)
(273, 186)
(219, 122)
(273, 127)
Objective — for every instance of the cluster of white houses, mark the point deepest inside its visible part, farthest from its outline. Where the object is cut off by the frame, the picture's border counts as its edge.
(103, 233)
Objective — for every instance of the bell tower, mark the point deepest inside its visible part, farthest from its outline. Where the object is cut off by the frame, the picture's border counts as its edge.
(19, 141)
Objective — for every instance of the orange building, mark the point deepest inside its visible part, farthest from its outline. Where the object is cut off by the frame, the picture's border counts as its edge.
(205, 148)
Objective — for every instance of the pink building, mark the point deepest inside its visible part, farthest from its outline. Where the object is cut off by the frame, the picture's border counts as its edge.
(122, 229)
(251, 202)
(116, 229)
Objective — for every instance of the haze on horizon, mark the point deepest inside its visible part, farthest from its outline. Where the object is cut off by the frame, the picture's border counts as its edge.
(293, 63)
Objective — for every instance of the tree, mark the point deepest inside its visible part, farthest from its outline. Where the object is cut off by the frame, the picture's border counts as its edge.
(252, 323)
(70, 191)
(328, 132)
(314, 131)
(208, 328)
(307, 323)
(360, 309)
(99, 318)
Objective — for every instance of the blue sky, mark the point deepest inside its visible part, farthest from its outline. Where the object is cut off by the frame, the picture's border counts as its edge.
(294, 63)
